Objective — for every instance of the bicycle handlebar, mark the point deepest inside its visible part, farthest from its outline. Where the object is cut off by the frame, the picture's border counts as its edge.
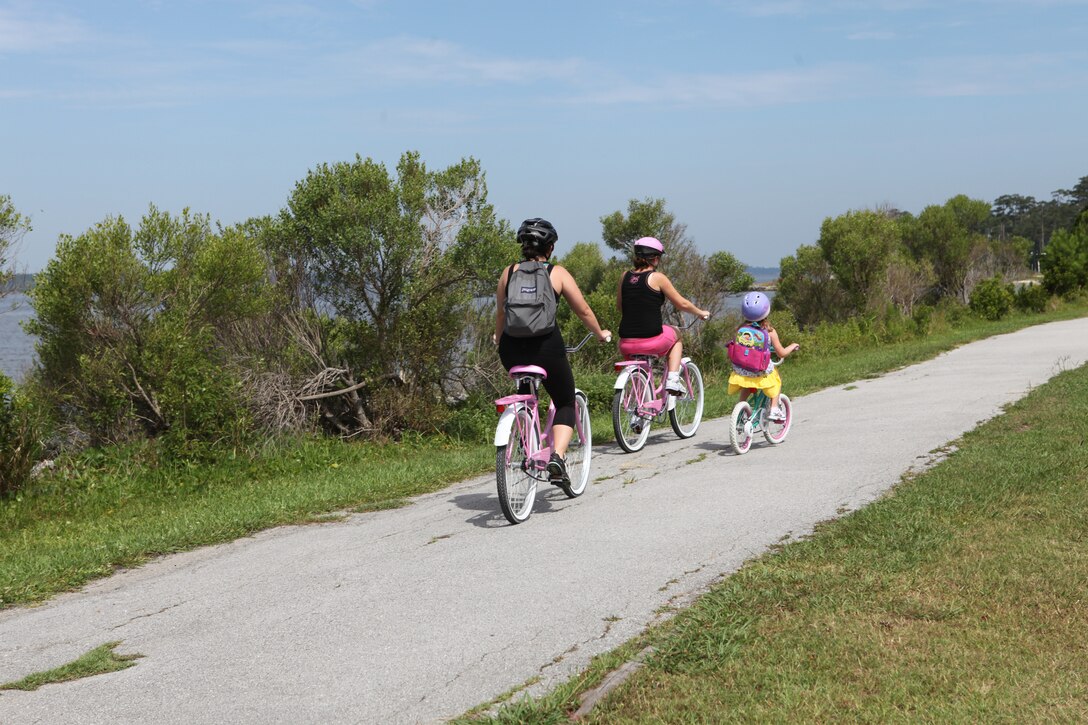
(585, 339)
(692, 323)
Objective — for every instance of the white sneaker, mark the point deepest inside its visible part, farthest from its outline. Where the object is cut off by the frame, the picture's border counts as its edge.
(674, 385)
(778, 415)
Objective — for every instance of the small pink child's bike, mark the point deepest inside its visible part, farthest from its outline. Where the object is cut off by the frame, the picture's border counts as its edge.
(522, 449)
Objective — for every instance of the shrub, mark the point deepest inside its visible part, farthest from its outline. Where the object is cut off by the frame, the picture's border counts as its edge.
(992, 298)
(135, 329)
(19, 440)
(1032, 298)
(1065, 266)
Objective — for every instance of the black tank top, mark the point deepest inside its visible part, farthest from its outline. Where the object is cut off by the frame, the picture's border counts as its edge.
(641, 306)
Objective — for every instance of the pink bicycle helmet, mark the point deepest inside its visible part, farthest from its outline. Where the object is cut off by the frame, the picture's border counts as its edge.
(755, 307)
(648, 247)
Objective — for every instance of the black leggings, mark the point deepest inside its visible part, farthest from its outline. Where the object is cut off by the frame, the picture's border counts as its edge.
(550, 353)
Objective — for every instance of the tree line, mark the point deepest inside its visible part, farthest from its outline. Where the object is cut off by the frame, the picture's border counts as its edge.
(365, 306)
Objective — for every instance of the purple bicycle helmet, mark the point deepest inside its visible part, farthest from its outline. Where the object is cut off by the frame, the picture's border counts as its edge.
(648, 247)
(755, 307)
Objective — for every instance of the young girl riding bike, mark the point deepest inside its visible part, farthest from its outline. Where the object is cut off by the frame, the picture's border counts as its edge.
(544, 347)
(642, 292)
(755, 308)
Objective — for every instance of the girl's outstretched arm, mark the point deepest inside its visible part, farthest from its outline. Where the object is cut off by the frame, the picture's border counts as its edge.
(778, 349)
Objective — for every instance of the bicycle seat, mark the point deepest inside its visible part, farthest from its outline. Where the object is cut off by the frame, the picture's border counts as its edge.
(528, 370)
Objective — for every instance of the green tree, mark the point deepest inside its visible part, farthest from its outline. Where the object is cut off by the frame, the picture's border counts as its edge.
(131, 328)
(858, 246)
(949, 236)
(586, 264)
(13, 226)
(809, 288)
(646, 218)
(1065, 265)
(393, 264)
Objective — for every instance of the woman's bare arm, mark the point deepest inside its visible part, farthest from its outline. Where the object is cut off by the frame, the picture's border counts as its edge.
(500, 307)
(678, 300)
(564, 284)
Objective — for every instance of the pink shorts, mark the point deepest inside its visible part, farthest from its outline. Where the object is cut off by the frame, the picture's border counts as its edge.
(658, 345)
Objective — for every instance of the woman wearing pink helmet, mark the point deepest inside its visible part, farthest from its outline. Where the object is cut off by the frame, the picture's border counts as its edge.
(755, 308)
(641, 293)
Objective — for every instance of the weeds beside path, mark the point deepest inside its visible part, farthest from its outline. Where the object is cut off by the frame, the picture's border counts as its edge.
(109, 510)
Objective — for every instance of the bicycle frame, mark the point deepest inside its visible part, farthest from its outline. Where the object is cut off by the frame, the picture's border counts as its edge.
(509, 422)
(761, 402)
(660, 401)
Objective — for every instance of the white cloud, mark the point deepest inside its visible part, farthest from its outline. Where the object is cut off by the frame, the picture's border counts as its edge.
(21, 32)
(420, 60)
(871, 35)
(759, 88)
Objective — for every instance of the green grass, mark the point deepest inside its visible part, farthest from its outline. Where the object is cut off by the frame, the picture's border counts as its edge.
(99, 660)
(119, 508)
(959, 597)
(92, 516)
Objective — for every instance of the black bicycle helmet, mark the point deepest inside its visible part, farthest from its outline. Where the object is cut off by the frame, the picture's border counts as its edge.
(537, 233)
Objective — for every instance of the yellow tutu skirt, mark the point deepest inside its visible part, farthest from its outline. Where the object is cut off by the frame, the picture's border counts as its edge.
(770, 384)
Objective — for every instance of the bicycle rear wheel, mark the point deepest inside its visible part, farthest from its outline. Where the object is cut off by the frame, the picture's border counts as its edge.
(740, 429)
(688, 409)
(631, 430)
(775, 433)
(580, 449)
(516, 484)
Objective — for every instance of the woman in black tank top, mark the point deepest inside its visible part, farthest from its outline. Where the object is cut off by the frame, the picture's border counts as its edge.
(538, 238)
(641, 293)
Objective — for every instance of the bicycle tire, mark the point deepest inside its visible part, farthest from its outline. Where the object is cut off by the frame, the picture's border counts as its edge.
(630, 429)
(740, 428)
(516, 487)
(687, 411)
(580, 450)
(776, 433)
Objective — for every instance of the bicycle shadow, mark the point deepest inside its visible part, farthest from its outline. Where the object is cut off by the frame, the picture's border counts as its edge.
(489, 514)
(723, 449)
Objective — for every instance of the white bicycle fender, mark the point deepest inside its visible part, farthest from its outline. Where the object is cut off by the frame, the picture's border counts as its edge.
(621, 380)
(506, 424)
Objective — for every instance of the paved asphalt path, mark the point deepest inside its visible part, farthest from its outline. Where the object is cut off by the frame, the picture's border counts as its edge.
(417, 614)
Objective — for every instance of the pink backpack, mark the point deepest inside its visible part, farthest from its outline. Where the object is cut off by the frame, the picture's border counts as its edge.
(750, 349)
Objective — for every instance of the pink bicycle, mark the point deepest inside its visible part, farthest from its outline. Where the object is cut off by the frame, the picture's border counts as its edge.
(522, 449)
(639, 400)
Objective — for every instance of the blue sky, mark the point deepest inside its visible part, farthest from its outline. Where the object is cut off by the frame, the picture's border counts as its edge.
(754, 120)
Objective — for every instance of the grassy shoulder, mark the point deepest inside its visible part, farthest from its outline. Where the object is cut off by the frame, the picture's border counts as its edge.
(113, 509)
(957, 598)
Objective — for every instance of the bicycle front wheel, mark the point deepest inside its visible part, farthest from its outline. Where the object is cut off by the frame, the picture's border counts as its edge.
(740, 428)
(775, 433)
(630, 429)
(687, 411)
(580, 449)
(513, 469)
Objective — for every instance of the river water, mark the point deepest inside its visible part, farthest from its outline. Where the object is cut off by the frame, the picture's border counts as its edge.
(16, 347)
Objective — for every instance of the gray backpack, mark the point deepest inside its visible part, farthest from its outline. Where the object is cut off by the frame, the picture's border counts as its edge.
(530, 301)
